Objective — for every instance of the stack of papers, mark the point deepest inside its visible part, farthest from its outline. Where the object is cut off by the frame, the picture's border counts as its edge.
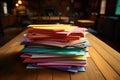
(61, 47)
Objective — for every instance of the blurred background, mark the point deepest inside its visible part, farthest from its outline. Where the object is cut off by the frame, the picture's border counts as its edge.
(16, 15)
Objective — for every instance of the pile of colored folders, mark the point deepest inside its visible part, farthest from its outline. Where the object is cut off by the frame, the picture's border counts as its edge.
(59, 46)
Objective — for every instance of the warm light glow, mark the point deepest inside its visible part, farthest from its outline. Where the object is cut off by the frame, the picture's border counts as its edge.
(19, 2)
(16, 4)
(5, 8)
(103, 7)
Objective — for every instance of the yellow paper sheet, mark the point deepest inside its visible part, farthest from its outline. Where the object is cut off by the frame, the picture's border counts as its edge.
(54, 27)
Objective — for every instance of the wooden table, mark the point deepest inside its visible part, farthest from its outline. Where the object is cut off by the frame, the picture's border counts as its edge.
(85, 23)
(103, 64)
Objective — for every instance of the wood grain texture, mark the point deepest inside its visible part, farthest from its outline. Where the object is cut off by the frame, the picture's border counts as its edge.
(109, 54)
(103, 64)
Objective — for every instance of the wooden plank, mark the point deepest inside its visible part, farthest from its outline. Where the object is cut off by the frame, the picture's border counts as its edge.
(91, 73)
(108, 54)
(60, 75)
(109, 49)
(19, 72)
(106, 69)
(45, 74)
(12, 43)
(13, 68)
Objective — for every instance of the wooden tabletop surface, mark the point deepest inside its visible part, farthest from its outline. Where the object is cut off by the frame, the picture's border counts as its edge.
(103, 64)
(85, 23)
